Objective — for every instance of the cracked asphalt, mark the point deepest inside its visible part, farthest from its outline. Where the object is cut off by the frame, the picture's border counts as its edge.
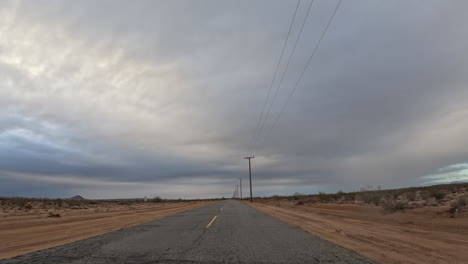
(238, 234)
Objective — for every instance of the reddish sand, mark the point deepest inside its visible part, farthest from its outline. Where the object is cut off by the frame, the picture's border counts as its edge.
(423, 235)
(22, 233)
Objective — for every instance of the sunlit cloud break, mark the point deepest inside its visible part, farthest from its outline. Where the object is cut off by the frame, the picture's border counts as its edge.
(449, 174)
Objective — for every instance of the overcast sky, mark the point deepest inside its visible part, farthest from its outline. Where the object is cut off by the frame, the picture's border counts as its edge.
(119, 99)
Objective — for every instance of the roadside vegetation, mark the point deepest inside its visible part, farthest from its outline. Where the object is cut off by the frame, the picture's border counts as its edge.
(453, 196)
(22, 204)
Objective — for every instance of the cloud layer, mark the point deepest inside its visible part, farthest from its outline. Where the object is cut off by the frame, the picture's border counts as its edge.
(116, 99)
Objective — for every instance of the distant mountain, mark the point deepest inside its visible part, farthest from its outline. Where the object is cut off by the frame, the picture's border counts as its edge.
(77, 197)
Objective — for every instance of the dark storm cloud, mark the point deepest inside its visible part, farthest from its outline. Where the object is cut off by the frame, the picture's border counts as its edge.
(129, 99)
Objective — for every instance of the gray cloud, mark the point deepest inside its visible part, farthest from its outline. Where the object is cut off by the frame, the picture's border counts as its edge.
(120, 99)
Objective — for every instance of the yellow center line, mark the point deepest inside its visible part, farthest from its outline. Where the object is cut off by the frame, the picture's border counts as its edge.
(212, 220)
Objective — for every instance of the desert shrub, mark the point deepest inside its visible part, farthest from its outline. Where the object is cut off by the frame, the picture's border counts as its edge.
(437, 194)
(46, 202)
(52, 214)
(425, 195)
(459, 202)
(394, 194)
(452, 188)
(300, 203)
(297, 196)
(276, 197)
(393, 205)
(74, 202)
(349, 196)
(410, 196)
(323, 197)
(28, 206)
(92, 202)
(156, 199)
(20, 202)
(371, 197)
(59, 202)
(338, 195)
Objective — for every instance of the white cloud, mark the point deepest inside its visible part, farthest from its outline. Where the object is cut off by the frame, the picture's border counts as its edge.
(449, 174)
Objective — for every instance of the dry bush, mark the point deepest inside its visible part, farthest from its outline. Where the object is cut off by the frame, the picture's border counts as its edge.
(125, 202)
(296, 196)
(59, 202)
(20, 203)
(325, 198)
(311, 199)
(459, 202)
(370, 197)
(437, 194)
(276, 197)
(55, 215)
(156, 199)
(74, 203)
(425, 195)
(410, 196)
(349, 196)
(393, 205)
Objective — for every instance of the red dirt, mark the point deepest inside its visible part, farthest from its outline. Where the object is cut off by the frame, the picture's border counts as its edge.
(22, 233)
(422, 235)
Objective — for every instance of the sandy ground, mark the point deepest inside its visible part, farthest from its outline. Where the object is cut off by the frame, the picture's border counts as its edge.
(22, 233)
(422, 235)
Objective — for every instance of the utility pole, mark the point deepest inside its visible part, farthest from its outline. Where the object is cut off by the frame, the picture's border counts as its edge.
(240, 184)
(250, 176)
(237, 191)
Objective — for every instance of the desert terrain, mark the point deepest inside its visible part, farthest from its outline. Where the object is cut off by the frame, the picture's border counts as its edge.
(409, 225)
(414, 225)
(28, 225)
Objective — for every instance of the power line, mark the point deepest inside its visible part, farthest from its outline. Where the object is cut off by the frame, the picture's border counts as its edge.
(276, 72)
(304, 70)
(284, 72)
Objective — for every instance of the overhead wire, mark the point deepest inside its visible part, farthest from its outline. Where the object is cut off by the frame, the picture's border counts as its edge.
(303, 71)
(283, 75)
(276, 73)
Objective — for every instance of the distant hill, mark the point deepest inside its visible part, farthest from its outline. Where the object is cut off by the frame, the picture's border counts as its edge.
(460, 181)
(77, 197)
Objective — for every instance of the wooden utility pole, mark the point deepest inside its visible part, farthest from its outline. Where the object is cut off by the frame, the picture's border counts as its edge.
(240, 184)
(250, 176)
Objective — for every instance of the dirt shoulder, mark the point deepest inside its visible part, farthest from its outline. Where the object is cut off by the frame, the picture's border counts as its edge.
(24, 232)
(421, 235)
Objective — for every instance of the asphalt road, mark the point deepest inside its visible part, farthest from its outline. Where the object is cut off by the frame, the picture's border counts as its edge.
(223, 232)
